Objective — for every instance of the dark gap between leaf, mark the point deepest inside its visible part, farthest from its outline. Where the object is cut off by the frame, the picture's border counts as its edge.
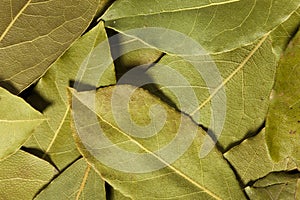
(35, 99)
(291, 37)
(139, 75)
(98, 15)
(108, 191)
(248, 135)
(238, 178)
(54, 177)
(209, 132)
(40, 154)
(114, 51)
(292, 172)
(80, 86)
(6, 84)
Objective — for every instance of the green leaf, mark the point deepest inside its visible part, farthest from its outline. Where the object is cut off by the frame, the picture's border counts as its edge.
(275, 186)
(283, 120)
(252, 161)
(88, 55)
(22, 175)
(130, 52)
(243, 92)
(246, 56)
(33, 34)
(281, 36)
(17, 122)
(79, 181)
(147, 168)
(218, 26)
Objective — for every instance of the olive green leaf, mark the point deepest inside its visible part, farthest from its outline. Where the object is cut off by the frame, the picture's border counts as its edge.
(275, 186)
(245, 55)
(116, 195)
(17, 122)
(281, 36)
(247, 78)
(164, 164)
(217, 25)
(130, 52)
(22, 175)
(283, 120)
(252, 161)
(33, 34)
(88, 54)
(78, 181)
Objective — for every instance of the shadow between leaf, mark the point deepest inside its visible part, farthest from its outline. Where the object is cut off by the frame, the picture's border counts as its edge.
(40, 154)
(248, 135)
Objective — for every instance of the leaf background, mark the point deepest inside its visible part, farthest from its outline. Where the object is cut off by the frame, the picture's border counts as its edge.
(244, 38)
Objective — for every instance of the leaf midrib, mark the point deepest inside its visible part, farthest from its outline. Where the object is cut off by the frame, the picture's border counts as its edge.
(173, 11)
(240, 67)
(14, 20)
(177, 171)
(84, 180)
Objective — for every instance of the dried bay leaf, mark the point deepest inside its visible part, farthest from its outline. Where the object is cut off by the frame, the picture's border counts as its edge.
(218, 26)
(78, 181)
(252, 161)
(34, 34)
(275, 186)
(189, 177)
(17, 122)
(246, 79)
(22, 175)
(283, 120)
(54, 137)
(246, 54)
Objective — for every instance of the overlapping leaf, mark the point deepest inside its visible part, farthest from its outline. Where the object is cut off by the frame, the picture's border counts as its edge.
(22, 175)
(129, 52)
(283, 121)
(275, 186)
(189, 177)
(252, 161)
(17, 122)
(33, 34)
(146, 149)
(78, 65)
(247, 78)
(217, 25)
(78, 181)
(247, 67)
(116, 195)
(281, 36)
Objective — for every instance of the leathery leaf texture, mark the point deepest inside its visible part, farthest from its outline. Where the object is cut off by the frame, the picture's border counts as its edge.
(283, 120)
(22, 175)
(187, 177)
(245, 57)
(78, 181)
(54, 136)
(149, 99)
(33, 34)
(17, 122)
